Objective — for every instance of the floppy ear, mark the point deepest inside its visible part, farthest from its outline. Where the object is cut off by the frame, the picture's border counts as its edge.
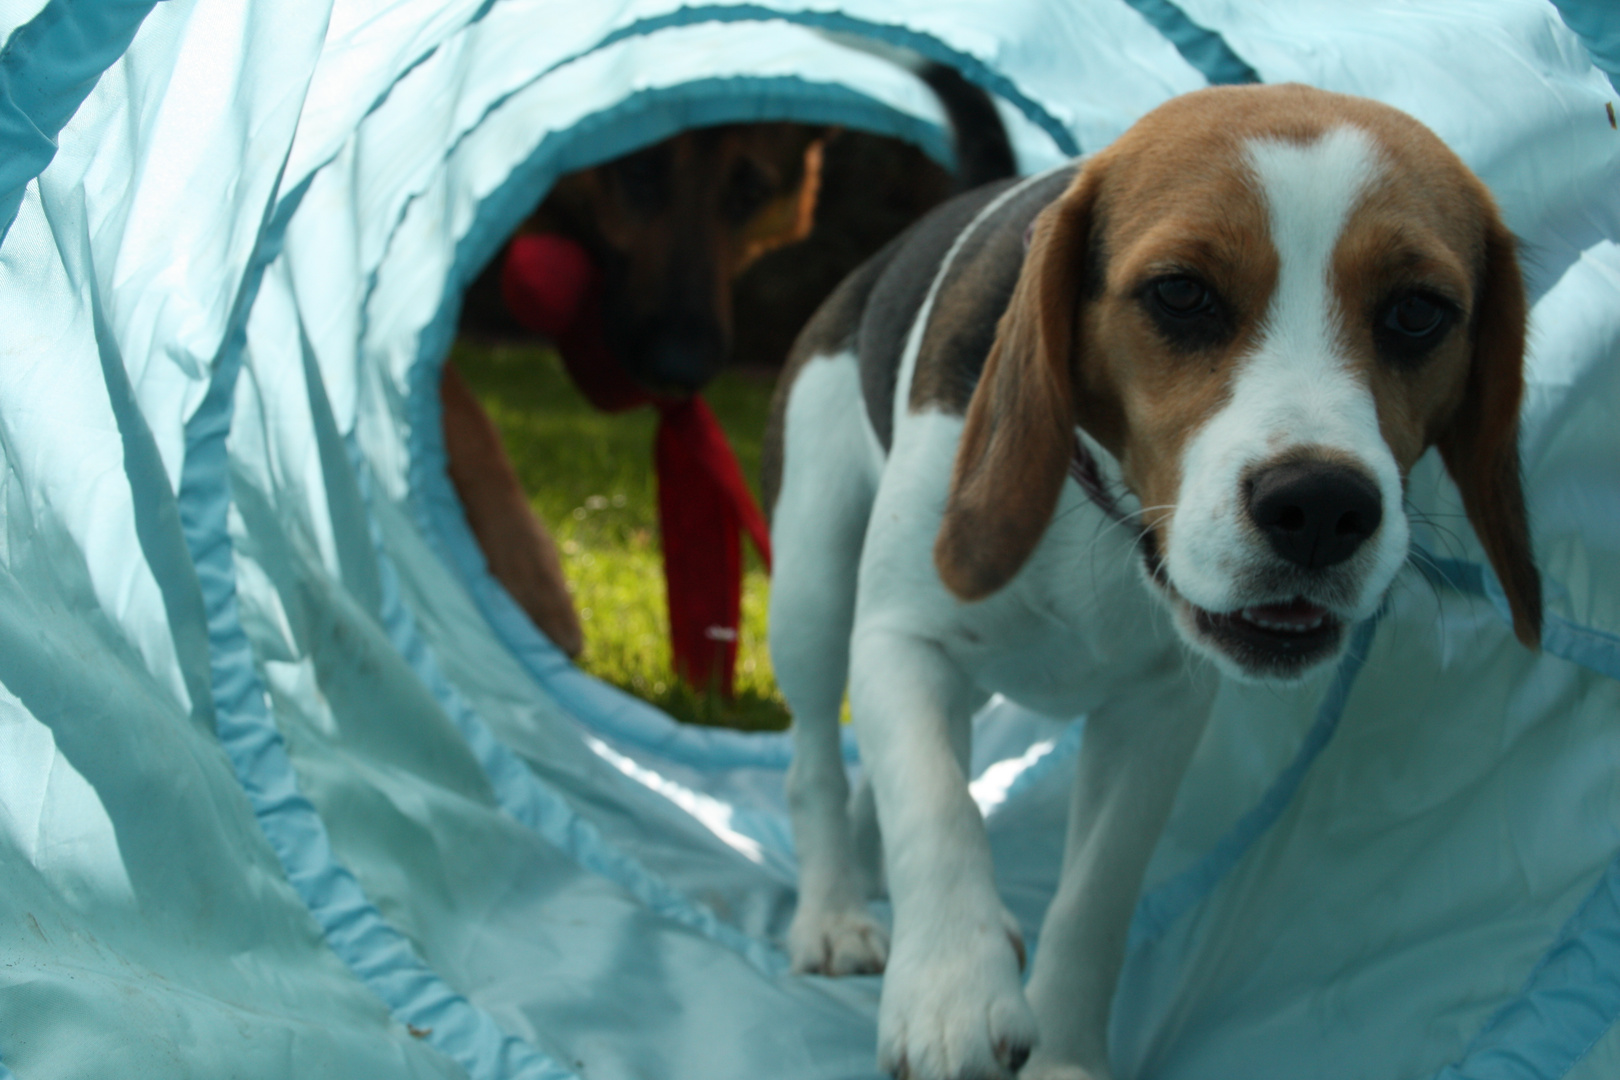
(1019, 435)
(790, 216)
(1480, 445)
(810, 187)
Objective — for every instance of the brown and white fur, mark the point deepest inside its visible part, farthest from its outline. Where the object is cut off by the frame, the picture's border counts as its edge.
(1240, 325)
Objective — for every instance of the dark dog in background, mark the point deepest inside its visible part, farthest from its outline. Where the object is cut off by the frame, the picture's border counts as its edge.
(671, 229)
(666, 228)
(670, 226)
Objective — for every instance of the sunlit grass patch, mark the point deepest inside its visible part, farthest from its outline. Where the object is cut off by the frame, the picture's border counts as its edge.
(589, 477)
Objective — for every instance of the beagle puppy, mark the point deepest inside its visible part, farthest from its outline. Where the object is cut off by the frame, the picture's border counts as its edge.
(1062, 434)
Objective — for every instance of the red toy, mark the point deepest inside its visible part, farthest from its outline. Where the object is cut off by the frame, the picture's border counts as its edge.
(704, 504)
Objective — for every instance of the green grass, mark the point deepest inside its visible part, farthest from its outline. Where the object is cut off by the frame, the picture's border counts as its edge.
(589, 478)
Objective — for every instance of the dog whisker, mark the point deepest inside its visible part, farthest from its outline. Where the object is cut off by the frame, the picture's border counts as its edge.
(1418, 559)
(1453, 543)
(1106, 525)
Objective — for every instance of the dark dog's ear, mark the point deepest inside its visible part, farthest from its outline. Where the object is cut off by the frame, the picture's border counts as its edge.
(1480, 446)
(1019, 435)
(810, 186)
(789, 214)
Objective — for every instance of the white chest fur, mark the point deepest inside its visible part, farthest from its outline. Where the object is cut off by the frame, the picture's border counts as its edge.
(1071, 628)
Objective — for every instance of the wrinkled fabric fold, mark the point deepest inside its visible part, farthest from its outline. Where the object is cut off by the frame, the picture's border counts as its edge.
(289, 786)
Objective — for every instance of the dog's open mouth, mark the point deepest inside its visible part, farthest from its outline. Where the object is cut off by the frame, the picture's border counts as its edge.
(1297, 627)
(1274, 640)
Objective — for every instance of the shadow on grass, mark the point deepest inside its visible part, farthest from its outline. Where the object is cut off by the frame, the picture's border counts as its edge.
(590, 479)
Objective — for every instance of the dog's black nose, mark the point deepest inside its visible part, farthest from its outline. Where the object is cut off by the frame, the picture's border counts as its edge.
(1315, 514)
(682, 359)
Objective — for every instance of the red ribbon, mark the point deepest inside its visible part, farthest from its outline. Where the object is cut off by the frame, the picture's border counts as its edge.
(704, 504)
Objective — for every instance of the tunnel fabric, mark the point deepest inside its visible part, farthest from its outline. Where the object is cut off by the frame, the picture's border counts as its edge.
(289, 787)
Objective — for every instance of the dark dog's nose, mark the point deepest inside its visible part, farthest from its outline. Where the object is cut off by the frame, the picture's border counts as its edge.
(681, 359)
(1315, 514)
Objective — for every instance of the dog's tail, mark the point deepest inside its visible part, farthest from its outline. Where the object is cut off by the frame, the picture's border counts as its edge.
(983, 150)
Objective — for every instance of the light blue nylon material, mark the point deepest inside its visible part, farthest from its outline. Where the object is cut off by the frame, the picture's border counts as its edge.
(525, 796)
(376, 952)
(1204, 49)
(1583, 645)
(1570, 1001)
(925, 45)
(935, 143)
(405, 67)
(157, 526)
(47, 68)
(1587, 646)
(1598, 24)
(344, 473)
(1161, 907)
(1062, 755)
(1572, 998)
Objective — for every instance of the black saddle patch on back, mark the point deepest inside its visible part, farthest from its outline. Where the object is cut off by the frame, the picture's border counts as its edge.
(976, 290)
(899, 293)
(830, 331)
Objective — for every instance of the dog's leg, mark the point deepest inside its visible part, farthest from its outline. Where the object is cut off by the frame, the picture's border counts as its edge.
(520, 553)
(868, 838)
(817, 530)
(953, 1007)
(1132, 759)
(832, 931)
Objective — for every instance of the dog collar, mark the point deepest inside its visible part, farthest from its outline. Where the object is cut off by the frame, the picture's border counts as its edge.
(1083, 467)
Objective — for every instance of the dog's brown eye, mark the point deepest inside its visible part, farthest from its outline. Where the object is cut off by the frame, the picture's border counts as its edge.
(1182, 296)
(1410, 325)
(1186, 313)
(1415, 316)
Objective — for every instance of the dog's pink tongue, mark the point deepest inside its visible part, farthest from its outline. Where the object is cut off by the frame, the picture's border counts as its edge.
(1297, 614)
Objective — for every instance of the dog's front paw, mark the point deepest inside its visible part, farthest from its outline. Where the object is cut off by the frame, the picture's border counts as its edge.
(837, 941)
(953, 1007)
